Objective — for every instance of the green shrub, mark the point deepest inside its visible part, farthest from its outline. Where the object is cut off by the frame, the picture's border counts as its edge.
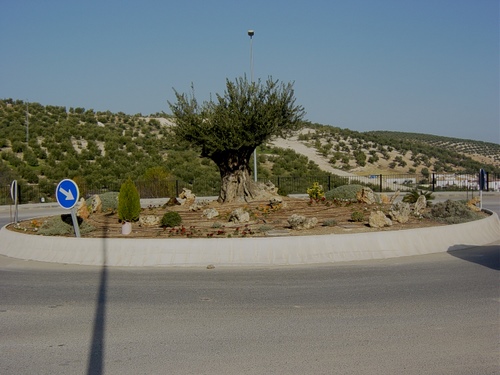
(453, 212)
(56, 226)
(344, 192)
(171, 219)
(109, 201)
(316, 191)
(129, 202)
(265, 228)
(413, 196)
(357, 216)
(329, 223)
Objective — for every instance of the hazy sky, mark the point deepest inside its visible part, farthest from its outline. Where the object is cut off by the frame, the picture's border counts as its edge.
(426, 66)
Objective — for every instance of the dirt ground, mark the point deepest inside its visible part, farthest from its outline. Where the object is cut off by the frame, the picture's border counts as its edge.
(333, 218)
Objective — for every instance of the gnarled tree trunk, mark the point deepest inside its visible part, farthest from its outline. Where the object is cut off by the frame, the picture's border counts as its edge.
(236, 182)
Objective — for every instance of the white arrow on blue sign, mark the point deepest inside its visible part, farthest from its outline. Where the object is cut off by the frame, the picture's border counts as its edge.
(67, 193)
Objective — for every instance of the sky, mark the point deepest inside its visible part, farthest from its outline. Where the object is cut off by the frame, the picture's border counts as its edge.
(424, 66)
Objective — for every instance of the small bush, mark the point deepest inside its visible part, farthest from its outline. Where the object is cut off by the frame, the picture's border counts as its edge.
(413, 196)
(344, 192)
(265, 228)
(329, 223)
(357, 216)
(171, 219)
(453, 212)
(56, 226)
(109, 201)
(129, 202)
(217, 225)
(316, 191)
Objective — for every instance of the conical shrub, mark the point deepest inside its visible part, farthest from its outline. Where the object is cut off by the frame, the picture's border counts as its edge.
(129, 202)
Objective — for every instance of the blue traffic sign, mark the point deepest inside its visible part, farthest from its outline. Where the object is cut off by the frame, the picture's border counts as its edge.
(482, 179)
(67, 193)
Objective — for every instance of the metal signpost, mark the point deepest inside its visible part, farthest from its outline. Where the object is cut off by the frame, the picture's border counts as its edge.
(482, 185)
(14, 194)
(67, 194)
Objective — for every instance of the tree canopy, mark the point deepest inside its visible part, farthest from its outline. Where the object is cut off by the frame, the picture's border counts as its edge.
(229, 128)
(246, 115)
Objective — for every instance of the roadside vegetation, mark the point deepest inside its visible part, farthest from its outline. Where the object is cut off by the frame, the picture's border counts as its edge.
(104, 149)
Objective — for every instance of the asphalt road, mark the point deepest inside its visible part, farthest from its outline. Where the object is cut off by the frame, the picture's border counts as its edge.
(433, 314)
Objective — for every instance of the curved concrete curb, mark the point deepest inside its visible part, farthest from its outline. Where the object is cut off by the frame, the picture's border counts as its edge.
(249, 251)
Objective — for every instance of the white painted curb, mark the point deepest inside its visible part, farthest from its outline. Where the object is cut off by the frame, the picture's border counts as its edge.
(262, 251)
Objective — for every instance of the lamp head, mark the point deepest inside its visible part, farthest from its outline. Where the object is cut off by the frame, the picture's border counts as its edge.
(250, 33)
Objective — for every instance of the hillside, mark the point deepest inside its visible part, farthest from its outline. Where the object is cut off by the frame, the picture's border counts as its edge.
(44, 144)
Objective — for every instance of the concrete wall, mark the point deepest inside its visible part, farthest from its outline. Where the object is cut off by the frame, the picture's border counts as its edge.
(249, 251)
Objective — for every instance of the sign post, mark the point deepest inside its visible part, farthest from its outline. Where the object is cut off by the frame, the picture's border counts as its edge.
(14, 194)
(67, 194)
(482, 185)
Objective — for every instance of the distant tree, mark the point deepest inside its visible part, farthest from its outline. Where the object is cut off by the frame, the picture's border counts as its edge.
(360, 157)
(229, 129)
(30, 158)
(153, 182)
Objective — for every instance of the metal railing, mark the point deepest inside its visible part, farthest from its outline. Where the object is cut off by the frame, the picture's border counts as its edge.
(34, 193)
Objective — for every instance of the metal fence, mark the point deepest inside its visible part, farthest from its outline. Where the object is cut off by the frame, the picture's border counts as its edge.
(286, 185)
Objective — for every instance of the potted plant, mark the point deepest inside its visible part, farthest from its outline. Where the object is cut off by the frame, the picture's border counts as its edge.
(129, 205)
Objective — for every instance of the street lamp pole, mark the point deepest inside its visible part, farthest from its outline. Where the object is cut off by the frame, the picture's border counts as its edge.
(27, 124)
(250, 34)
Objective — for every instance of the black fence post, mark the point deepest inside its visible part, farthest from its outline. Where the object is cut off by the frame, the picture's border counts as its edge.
(433, 182)
(380, 183)
(329, 182)
(176, 188)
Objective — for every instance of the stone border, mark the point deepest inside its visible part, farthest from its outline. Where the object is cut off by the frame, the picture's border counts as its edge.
(260, 251)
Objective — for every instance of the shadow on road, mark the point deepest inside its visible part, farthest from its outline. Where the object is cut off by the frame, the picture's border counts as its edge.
(487, 256)
(97, 345)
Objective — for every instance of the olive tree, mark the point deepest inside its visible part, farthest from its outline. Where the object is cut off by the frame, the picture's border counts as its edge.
(228, 129)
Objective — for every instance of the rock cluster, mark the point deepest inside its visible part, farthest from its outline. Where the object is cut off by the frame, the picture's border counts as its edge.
(149, 220)
(301, 222)
(210, 213)
(378, 219)
(239, 215)
(399, 212)
(366, 195)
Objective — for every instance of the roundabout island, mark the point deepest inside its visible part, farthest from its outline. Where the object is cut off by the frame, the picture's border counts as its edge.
(271, 248)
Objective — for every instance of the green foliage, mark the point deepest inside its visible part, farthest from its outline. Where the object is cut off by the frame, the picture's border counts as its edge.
(245, 116)
(412, 196)
(229, 129)
(171, 219)
(127, 145)
(265, 228)
(129, 203)
(56, 226)
(344, 192)
(329, 223)
(316, 191)
(357, 216)
(360, 157)
(109, 201)
(453, 212)
(445, 150)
